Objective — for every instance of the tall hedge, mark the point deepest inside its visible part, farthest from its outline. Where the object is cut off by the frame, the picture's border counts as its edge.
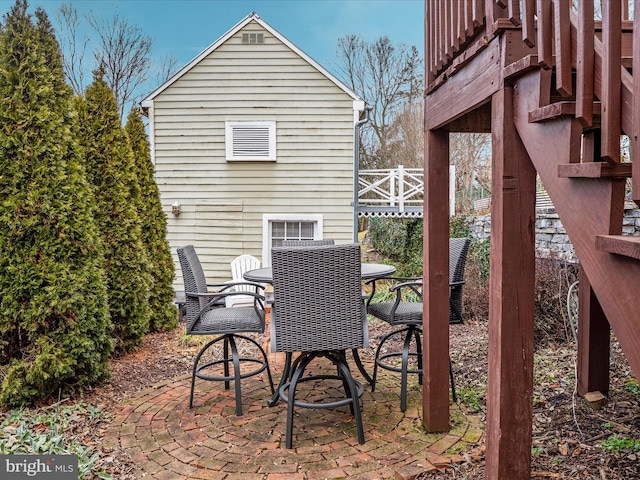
(401, 240)
(110, 168)
(164, 315)
(54, 323)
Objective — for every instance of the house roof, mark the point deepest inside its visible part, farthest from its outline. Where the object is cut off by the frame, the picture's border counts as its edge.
(148, 101)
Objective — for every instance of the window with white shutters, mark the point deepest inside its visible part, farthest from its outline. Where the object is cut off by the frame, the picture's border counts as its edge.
(250, 140)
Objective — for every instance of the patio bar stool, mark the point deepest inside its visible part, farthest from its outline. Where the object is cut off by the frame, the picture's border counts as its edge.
(319, 312)
(408, 315)
(208, 315)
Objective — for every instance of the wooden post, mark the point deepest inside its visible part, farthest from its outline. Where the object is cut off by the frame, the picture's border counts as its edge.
(435, 338)
(593, 341)
(511, 300)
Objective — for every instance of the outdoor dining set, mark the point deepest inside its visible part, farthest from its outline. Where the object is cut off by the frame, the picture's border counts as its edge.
(318, 309)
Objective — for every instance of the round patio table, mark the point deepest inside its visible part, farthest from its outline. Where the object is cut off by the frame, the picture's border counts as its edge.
(368, 272)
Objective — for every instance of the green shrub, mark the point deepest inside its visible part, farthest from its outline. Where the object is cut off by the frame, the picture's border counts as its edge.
(400, 239)
(479, 253)
(388, 236)
(459, 226)
(54, 324)
(154, 229)
(110, 169)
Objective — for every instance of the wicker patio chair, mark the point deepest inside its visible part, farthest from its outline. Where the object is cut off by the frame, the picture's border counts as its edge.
(207, 315)
(408, 314)
(319, 312)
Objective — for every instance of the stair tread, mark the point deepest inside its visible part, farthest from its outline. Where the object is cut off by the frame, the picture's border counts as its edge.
(557, 110)
(627, 245)
(594, 170)
(521, 66)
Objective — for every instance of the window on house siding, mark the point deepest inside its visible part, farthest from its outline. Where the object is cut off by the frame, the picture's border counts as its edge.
(277, 228)
(250, 140)
(291, 231)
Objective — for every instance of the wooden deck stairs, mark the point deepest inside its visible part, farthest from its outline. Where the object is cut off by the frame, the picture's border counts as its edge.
(556, 88)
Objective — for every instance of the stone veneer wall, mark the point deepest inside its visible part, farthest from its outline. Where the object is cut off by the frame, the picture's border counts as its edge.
(551, 237)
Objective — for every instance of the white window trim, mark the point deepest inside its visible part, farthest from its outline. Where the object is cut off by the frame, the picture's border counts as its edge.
(285, 217)
(229, 126)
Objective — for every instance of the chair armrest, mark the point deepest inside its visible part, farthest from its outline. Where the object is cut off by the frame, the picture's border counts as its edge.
(395, 279)
(415, 287)
(218, 297)
(231, 284)
(413, 283)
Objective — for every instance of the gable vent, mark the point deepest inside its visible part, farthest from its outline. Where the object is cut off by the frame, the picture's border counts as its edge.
(252, 38)
(251, 141)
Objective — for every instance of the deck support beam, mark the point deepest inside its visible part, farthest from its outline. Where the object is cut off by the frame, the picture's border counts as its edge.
(594, 343)
(435, 318)
(511, 301)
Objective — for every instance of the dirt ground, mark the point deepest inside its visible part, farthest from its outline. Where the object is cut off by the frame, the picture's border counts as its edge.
(567, 433)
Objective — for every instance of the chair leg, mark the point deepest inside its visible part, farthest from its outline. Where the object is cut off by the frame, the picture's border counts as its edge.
(374, 378)
(405, 368)
(453, 386)
(275, 397)
(226, 361)
(266, 360)
(236, 374)
(264, 356)
(365, 374)
(301, 365)
(416, 334)
(377, 356)
(339, 358)
(352, 391)
(229, 343)
(195, 367)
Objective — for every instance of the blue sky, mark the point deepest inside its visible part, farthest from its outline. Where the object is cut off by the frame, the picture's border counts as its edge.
(184, 28)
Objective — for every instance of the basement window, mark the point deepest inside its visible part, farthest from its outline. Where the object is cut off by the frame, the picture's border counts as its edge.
(250, 140)
(279, 227)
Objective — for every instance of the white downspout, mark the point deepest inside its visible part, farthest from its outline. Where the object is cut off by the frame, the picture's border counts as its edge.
(356, 169)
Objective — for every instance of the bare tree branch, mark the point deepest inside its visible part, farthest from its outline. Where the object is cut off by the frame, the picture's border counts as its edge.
(167, 68)
(73, 50)
(124, 55)
(386, 77)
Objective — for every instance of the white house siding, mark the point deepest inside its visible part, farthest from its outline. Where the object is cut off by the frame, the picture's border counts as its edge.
(222, 203)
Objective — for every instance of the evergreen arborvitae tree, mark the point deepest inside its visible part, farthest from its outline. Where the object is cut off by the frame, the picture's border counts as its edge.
(154, 229)
(54, 322)
(110, 168)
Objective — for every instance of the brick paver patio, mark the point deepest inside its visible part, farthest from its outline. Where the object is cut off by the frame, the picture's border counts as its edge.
(169, 441)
